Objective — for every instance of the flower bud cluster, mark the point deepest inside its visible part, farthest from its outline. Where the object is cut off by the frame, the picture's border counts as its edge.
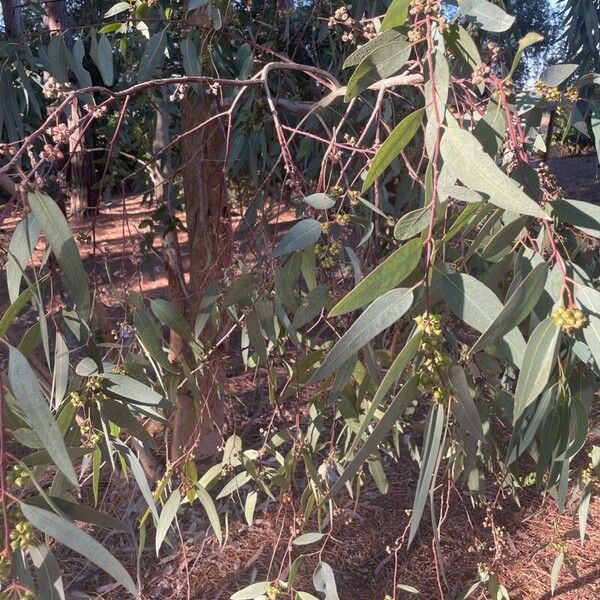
(569, 319)
(435, 359)
(52, 89)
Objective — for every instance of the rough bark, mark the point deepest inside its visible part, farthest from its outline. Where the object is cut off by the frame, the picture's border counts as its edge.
(205, 196)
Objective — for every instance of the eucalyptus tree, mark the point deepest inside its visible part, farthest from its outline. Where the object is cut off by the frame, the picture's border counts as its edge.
(428, 291)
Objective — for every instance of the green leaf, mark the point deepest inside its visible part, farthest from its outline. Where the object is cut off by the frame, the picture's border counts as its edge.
(252, 591)
(490, 130)
(382, 313)
(78, 512)
(412, 224)
(555, 571)
(60, 374)
(403, 398)
(504, 239)
(139, 476)
(307, 538)
(25, 387)
(211, 510)
(585, 216)
(462, 45)
(47, 573)
(168, 315)
(478, 171)
(63, 245)
(319, 201)
(305, 596)
(526, 426)
(382, 40)
(324, 581)
(154, 55)
(464, 408)
(528, 40)
(432, 439)
(129, 389)
(486, 15)
(167, 515)
(538, 363)
(13, 310)
(384, 61)
(104, 61)
(77, 540)
(595, 124)
(396, 14)
(520, 304)
(312, 304)
(408, 588)
(20, 249)
(474, 303)
(590, 300)
(583, 510)
(390, 273)
(554, 75)
(402, 134)
(300, 236)
(117, 8)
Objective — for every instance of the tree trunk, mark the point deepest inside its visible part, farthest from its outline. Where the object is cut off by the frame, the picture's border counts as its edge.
(81, 173)
(11, 15)
(209, 230)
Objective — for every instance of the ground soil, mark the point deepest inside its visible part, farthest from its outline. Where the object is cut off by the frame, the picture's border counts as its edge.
(514, 542)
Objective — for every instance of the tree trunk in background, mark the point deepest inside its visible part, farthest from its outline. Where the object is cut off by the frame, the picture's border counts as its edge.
(11, 15)
(209, 232)
(81, 173)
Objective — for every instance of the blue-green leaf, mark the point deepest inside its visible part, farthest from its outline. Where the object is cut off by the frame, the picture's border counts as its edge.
(25, 387)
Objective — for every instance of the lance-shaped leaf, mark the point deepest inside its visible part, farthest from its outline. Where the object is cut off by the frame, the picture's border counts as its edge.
(384, 61)
(168, 315)
(154, 55)
(432, 439)
(590, 300)
(382, 313)
(554, 75)
(519, 306)
(130, 389)
(504, 239)
(311, 306)
(400, 137)
(478, 171)
(319, 201)
(585, 216)
(166, 518)
(474, 303)
(390, 273)
(464, 408)
(528, 40)
(300, 236)
(486, 15)
(79, 541)
(396, 14)
(324, 581)
(405, 396)
(20, 250)
(538, 363)
(25, 387)
(63, 246)
(211, 510)
(104, 61)
(411, 224)
(47, 573)
(252, 591)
